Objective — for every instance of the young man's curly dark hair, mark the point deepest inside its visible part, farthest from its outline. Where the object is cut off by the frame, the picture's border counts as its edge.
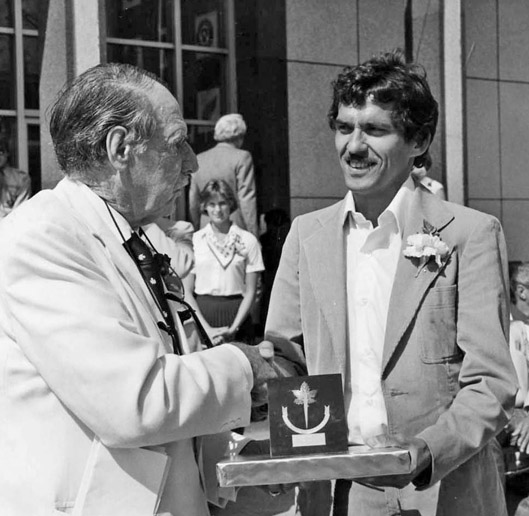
(388, 79)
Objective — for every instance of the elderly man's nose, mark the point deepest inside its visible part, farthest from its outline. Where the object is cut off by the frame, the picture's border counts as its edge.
(190, 164)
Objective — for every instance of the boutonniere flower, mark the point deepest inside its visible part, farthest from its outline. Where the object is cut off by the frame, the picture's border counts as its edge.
(426, 246)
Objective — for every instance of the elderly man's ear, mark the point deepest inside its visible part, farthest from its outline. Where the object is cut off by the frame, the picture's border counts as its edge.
(119, 150)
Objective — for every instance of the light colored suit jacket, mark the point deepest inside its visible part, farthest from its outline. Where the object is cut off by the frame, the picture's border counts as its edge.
(447, 376)
(82, 362)
(235, 166)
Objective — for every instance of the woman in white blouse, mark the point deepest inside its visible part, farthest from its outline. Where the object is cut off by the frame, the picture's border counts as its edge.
(228, 262)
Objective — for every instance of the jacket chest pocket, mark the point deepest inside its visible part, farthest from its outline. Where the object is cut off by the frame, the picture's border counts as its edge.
(436, 323)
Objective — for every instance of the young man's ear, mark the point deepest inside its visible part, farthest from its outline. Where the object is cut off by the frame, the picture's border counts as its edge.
(422, 142)
(520, 292)
(119, 151)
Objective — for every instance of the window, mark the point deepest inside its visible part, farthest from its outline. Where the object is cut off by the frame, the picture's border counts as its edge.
(19, 84)
(187, 43)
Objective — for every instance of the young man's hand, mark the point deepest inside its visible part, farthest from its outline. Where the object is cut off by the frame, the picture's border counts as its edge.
(420, 459)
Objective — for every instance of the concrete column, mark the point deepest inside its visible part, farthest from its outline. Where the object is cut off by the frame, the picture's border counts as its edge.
(453, 108)
(86, 34)
(72, 44)
(56, 69)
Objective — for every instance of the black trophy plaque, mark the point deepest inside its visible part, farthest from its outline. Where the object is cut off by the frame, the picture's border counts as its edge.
(306, 415)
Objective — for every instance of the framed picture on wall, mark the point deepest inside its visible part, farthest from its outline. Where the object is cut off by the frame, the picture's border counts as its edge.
(207, 29)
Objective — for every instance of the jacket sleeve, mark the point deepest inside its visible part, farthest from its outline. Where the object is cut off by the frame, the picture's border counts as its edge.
(99, 358)
(283, 323)
(246, 193)
(487, 381)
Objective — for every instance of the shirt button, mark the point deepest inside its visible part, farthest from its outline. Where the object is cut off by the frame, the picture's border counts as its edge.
(362, 301)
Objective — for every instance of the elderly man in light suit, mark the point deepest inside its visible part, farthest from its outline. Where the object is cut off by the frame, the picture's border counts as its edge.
(227, 161)
(98, 415)
(406, 296)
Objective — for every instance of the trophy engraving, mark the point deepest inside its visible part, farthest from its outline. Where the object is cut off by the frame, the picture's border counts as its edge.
(306, 436)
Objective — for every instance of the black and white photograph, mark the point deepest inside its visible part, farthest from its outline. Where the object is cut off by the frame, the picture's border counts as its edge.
(264, 258)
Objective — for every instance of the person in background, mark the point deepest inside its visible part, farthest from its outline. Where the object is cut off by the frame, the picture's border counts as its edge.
(519, 281)
(15, 184)
(406, 296)
(515, 438)
(101, 406)
(229, 162)
(421, 173)
(228, 262)
(277, 225)
(174, 239)
(519, 347)
(180, 231)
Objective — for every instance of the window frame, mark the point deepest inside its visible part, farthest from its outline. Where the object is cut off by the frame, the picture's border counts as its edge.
(179, 48)
(20, 114)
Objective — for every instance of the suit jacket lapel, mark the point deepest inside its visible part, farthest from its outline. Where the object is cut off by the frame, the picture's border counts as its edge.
(72, 193)
(410, 285)
(325, 251)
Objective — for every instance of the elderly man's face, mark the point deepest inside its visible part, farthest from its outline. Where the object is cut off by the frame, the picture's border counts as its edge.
(161, 171)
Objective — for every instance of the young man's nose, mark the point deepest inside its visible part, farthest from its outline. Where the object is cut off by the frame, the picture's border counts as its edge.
(356, 143)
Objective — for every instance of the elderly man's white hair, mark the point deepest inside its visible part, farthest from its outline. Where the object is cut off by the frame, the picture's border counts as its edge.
(229, 127)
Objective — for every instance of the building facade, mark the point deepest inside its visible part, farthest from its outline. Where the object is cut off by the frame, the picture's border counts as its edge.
(272, 61)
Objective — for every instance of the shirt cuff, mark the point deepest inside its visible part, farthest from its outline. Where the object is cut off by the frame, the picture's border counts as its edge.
(424, 478)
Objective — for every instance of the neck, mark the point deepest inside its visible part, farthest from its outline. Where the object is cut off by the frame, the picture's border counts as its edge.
(523, 307)
(123, 205)
(372, 206)
(231, 143)
(224, 227)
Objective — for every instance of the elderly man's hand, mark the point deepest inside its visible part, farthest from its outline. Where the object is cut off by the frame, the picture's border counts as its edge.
(420, 459)
(261, 361)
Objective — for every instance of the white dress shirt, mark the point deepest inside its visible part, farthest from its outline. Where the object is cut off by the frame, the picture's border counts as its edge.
(372, 256)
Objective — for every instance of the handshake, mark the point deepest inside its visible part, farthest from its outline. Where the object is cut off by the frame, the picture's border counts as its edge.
(261, 358)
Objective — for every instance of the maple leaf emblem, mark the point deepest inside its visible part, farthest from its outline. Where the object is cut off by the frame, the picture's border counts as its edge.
(305, 396)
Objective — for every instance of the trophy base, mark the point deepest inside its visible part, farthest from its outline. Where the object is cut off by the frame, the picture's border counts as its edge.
(357, 462)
